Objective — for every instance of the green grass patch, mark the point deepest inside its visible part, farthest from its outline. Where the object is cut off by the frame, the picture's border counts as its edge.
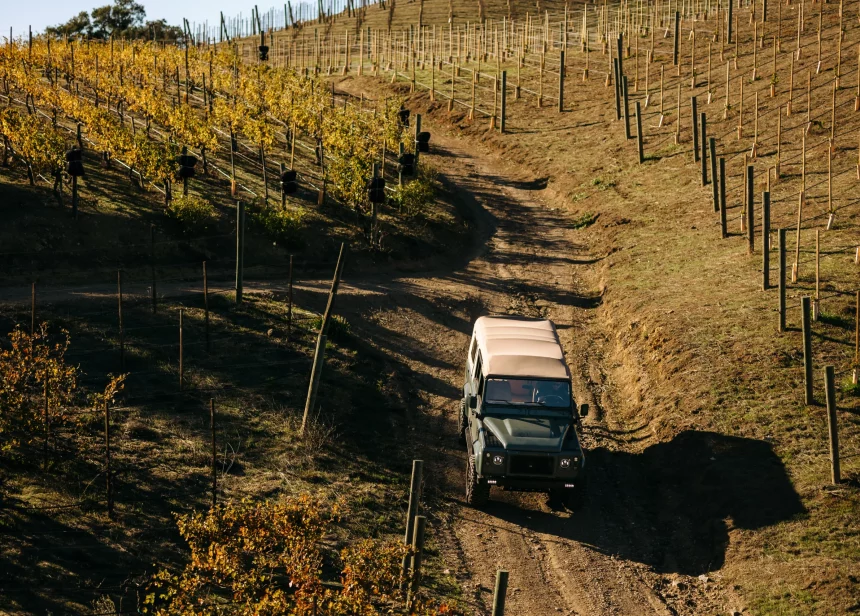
(586, 220)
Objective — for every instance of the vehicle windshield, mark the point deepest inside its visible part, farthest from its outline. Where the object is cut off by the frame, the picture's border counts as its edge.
(528, 392)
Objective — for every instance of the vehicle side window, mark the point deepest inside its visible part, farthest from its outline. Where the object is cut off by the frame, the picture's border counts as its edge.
(479, 376)
(476, 374)
(474, 350)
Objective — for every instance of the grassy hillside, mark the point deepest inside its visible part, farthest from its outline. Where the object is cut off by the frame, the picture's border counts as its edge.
(691, 337)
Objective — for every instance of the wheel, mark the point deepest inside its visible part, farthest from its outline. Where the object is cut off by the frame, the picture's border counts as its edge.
(477, 493)
(461, 424)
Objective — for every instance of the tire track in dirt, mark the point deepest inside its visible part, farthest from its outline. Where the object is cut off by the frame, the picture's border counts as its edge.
(555, 558)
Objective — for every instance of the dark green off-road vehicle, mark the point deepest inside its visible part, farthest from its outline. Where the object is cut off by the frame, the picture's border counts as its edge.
(517, 417)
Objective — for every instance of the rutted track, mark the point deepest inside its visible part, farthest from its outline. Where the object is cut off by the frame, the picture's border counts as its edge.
(530, 264)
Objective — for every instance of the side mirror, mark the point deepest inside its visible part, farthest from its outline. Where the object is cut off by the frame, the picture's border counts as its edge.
(473, 402)
(583, 410)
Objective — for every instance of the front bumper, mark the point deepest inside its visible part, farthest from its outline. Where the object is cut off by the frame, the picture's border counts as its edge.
(536, 484)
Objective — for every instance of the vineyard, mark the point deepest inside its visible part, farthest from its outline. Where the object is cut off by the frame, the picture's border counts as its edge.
(274, 139)
(676, 183)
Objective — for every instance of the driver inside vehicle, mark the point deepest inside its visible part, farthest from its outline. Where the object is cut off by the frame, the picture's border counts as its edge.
(552, 393)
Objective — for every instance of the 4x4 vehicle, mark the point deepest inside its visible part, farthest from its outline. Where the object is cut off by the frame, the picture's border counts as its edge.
(518, 418)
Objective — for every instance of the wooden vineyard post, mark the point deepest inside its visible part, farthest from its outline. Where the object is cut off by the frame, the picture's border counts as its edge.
(781, 241)
(832, 428)
(433, 79)
(316, 375)
(500, 592)
(817, 299)
(108, 478)
(33, 310)
(662, 116)
(233, 163)
(472, 106)
(212, 434)
(678, 120)
(561, 81)
(729, 6)
(281, 169)
(119, 321)
(495, 103)
(693, 60)
(415, 488)
(290, 299)
(778, 141)
(206, 306)
(715, 185)
(741, 111)
(181, 352)
(790, 87)
(240, 248)
(765, 241)
(639, 137)
(417, 556)
(152, 267)
(504, 101)
(857, 95)
(676, 42)
(807, 349)
(627, 132)
(319, 353)
(415, 140)
(47, 421)
(695, 122)
(854, 378)
(750, 209)
(617, 90)
(703, 142)
(723, 223)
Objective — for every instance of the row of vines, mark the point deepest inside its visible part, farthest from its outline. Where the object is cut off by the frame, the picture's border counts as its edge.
(140, 103)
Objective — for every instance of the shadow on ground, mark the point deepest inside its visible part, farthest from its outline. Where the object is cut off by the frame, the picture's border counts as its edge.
(672, 506)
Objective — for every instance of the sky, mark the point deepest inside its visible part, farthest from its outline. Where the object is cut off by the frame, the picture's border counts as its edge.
(20, 14)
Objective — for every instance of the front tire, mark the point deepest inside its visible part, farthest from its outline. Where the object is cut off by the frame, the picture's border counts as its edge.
(461, 424)
(477, 493)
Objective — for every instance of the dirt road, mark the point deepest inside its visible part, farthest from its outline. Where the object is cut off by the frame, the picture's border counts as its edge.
(532, 263)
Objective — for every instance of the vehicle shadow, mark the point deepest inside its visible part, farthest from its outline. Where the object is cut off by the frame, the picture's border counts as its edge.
(672, 506)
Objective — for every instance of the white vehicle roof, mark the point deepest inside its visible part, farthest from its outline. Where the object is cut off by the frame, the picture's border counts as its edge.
(520, 347)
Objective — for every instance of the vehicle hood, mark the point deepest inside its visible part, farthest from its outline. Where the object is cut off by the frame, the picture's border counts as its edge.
(529, 433)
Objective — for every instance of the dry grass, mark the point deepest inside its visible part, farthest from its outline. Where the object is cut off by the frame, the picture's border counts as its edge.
(693, 337)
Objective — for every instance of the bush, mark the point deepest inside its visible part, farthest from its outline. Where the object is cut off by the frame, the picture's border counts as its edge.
(416, 195)
(339, 328)
(282, 225)
(266, 559)
(193, 212)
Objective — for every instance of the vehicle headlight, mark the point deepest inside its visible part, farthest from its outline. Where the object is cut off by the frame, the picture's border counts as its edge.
(564, 463)
(498, 460)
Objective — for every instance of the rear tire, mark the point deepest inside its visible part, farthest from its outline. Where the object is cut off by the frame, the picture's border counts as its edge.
(477, 493)
(461, 424)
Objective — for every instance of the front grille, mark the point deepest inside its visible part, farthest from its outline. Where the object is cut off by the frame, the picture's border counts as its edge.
(531, 465)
